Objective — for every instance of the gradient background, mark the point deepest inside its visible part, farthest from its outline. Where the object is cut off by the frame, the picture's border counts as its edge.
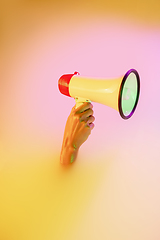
(113, 190)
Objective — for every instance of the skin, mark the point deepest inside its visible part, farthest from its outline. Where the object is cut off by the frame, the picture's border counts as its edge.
(77, 130)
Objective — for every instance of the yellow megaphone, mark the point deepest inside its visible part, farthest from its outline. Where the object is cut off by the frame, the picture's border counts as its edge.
(121, 93)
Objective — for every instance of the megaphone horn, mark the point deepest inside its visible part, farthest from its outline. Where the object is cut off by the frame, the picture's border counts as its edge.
(121, 93)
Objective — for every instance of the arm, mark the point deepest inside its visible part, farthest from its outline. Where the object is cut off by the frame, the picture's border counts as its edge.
(78, 127)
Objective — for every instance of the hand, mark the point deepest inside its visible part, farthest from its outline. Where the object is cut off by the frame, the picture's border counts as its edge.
(78, 127)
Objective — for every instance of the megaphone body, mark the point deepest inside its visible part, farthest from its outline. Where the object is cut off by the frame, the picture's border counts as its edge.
(121, 93)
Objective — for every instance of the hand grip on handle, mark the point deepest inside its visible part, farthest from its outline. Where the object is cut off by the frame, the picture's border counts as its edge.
(80, 101)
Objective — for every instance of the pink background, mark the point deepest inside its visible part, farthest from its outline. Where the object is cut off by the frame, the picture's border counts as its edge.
(112, 191)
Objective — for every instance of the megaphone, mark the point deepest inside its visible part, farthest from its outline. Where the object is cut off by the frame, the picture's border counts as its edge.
(121, 93)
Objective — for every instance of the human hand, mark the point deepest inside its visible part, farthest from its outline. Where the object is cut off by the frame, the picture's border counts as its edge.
(78, 127)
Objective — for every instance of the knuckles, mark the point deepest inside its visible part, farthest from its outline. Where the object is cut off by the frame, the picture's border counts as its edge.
(84, 119)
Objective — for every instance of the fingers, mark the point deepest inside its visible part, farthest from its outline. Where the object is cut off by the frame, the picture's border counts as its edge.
(90, 119)
(91, 126)
(85, 106)
(83, 117)
(89, 122)
(87, 113)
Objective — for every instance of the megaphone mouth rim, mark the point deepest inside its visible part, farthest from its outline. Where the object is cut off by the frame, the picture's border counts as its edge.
(121, 90)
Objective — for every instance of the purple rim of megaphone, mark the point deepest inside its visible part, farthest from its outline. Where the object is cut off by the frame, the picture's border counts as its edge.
(63, 83)
(121, 90)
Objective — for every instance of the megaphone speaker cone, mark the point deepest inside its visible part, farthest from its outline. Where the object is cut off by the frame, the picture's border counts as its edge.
(129, 94)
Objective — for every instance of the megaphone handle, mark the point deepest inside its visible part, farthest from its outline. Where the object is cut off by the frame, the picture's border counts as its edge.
(80, 101)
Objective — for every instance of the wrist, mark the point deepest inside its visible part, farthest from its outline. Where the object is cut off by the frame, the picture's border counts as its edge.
(68, 154)
(73, 151)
